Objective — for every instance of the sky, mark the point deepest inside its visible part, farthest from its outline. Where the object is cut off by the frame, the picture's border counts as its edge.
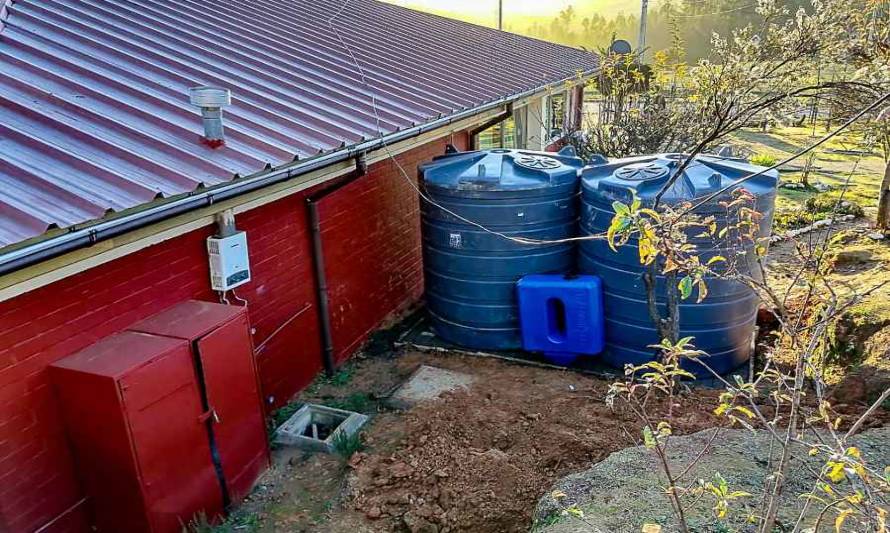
(485, 11)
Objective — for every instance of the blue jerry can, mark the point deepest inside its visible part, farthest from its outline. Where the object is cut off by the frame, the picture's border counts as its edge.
(561, 316)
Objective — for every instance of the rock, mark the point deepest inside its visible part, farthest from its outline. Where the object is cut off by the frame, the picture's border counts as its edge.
(497, 455)
(374, 513)
(624, 492)
(400, 470)
(356, 459)
(417, 524)
(865, 384)
(821, 187)
(852, 257)
(851, 390)
(876, 236)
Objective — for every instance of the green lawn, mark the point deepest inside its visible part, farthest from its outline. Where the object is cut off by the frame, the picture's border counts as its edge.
(831, 168)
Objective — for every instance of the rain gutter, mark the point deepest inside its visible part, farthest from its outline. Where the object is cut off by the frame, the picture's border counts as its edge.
(41, 251)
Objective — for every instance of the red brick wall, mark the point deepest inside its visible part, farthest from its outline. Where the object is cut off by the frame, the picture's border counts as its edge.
(372, 249)
(371, 237)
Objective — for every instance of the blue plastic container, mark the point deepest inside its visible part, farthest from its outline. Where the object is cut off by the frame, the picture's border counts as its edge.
(561, 316)
(723, 325)
(471, 273)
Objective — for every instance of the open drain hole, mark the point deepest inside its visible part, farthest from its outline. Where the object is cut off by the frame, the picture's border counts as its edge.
(317, 427)
(320, 426)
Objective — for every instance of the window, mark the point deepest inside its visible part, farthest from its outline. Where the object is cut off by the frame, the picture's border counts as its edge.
(491, 138)
(557, 114)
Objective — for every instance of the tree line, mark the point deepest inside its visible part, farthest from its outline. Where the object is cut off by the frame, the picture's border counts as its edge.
(693, 21)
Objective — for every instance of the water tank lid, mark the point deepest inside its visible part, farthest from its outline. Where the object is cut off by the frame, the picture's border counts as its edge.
(646, 175)
(501, 170)
(642, 171)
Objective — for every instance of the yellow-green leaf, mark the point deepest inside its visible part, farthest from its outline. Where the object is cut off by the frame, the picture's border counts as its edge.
(702, 290)
(841, 516)
(574, 511)
(835, 471)
(620, 208)
(648, 437)
(685, 287)
(745, 411)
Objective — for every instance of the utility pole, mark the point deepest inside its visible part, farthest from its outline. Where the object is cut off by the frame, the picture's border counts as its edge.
(502, 133)
(641, 42)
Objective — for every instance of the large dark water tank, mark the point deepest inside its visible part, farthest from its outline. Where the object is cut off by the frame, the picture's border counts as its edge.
(471, 274)
(723, 324)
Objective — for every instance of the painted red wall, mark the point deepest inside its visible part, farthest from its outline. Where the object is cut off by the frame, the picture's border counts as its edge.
(371, 237)
(372, 253)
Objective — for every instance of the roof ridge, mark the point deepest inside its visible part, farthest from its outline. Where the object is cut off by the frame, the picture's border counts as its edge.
(5, 7)
(480, 26)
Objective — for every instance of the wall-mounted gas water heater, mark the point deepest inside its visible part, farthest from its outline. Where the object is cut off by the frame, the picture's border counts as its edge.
(229, 258)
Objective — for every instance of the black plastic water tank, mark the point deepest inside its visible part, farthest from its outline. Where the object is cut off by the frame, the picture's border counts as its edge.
(471, 273)
(723, 324)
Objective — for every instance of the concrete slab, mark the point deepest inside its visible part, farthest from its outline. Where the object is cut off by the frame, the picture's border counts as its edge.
(428, 383)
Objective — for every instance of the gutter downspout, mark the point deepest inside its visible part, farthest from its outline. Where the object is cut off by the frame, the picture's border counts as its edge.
(321, 280)
(79, 238)
(494, 121)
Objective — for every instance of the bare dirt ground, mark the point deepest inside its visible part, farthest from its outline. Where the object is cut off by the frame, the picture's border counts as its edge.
(475, 460)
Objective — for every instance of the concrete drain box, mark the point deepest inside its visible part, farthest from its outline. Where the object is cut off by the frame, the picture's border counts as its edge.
(317, 428)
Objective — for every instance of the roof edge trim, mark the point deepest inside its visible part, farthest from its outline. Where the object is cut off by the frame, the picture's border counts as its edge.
(37, 252)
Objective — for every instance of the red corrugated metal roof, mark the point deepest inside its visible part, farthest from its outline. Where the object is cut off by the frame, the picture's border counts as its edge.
(94, 109)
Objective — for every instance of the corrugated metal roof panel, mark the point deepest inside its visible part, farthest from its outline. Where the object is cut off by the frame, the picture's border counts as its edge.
(94, 110)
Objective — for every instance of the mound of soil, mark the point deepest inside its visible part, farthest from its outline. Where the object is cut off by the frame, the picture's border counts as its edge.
(624, 492)
(478, 460)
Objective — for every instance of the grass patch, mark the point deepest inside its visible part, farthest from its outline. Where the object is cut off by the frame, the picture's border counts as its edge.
(341, 378)
(238, 521)
(764, 160)
(347, 445)
(359, 402)
(832, 168)
(544, 522)
(815, 207)
(282, 415)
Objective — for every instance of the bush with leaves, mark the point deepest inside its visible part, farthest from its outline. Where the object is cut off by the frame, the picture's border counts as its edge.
(848, 490)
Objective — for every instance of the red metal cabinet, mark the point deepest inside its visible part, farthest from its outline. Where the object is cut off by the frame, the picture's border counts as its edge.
(133, 412)
(219, 336)
(165, 419)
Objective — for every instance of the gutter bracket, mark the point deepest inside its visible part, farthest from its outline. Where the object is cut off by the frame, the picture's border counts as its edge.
(361, 163)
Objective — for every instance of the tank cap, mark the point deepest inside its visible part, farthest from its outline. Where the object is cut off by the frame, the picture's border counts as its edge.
(537, 162)
(642, 172)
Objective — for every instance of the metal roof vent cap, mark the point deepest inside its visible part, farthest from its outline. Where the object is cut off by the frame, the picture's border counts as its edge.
(211, 100)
